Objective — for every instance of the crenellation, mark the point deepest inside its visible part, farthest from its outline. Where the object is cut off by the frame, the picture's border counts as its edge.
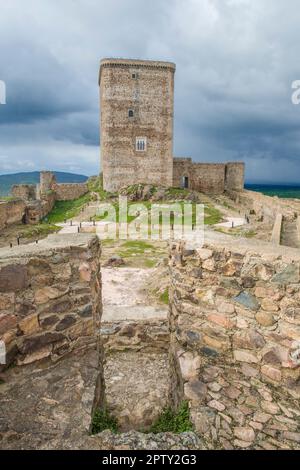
(137, 113)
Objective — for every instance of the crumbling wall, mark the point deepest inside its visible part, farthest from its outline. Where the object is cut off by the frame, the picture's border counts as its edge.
(50, 297)
(235, 343)
(11, 212)
(47, 182)
(70, 191)
(24, 191)
(37, 210)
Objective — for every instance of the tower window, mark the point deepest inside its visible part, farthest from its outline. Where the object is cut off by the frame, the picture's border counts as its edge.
(130, 113)
(141, 144)
(134, 75)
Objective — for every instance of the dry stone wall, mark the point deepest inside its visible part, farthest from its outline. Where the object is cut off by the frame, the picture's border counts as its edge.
(69, 191)
(235, 344)
(50, 297)
(11, 212)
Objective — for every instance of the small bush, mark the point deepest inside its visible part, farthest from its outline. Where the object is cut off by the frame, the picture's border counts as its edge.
(176, 422)
(164, 297)
(102, 420)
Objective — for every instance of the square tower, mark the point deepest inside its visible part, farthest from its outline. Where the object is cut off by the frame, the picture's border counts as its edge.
(137, 111)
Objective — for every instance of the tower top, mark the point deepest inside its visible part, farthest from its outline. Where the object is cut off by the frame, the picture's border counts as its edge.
(150, 64)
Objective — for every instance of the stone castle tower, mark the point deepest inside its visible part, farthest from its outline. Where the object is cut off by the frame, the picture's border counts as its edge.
(137, 109)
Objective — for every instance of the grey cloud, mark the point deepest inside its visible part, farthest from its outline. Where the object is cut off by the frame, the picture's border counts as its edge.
(236, 60)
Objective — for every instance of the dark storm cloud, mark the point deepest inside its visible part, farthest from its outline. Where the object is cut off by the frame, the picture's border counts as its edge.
(236, 60)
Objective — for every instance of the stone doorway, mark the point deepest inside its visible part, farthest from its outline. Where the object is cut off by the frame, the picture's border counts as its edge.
(185, 182)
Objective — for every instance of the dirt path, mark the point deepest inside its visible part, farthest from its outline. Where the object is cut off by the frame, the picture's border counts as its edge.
(137, 381)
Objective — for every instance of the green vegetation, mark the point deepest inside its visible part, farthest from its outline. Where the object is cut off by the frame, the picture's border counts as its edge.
(103, 420)
(164, 297)
(134, 247)
(66, 209)
(237, 232)
(38, 230)
(95, 185)
(177, 192)
(150, 263)
(212, 215)
(176, 422)
(8, 198)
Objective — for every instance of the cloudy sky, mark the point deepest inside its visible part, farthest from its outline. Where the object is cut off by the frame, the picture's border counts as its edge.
(236, 61)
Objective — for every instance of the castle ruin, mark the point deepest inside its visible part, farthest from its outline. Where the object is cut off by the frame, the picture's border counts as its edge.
(137, 114)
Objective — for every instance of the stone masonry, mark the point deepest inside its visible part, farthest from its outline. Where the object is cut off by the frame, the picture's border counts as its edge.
(137, 113)
(50, 297)
(136, 102)
(38, 200)
(235, 342)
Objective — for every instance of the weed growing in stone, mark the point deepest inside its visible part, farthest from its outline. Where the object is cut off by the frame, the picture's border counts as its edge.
(164, 297)
(176, 422)
(103, 420)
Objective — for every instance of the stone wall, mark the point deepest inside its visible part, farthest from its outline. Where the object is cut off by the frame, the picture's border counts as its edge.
(11, 212)
(146, 88)
(47, 182)
(235, 176)
(211, 178)
(235, 343)
(70, 191)
(147, 336)
(24, 191)
(37, 210)
(50, 297)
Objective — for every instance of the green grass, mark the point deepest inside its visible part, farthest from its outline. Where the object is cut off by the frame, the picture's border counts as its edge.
(177, 192)
(103, 420)
(212, 215)
(8, 198)
(237, 232)
(66, 209)
(134, 247)
(150, 263)
(38, 230)
(164, 297)
(138, 245)
(170, 421)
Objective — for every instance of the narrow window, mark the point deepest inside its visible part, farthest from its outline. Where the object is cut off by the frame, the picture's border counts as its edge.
(135, 75)
(141, 144)
(130, 113)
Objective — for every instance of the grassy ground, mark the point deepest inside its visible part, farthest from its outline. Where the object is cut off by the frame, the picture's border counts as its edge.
(211, 214)
(67, 209)
(38, 230)
(237, 232)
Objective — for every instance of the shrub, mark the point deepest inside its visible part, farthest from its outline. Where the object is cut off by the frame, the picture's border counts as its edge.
(176, 422)
(103, 420)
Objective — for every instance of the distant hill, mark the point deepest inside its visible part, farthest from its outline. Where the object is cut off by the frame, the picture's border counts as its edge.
(33, 177)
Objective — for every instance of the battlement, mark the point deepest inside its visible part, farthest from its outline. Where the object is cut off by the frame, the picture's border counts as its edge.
(137, 113)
